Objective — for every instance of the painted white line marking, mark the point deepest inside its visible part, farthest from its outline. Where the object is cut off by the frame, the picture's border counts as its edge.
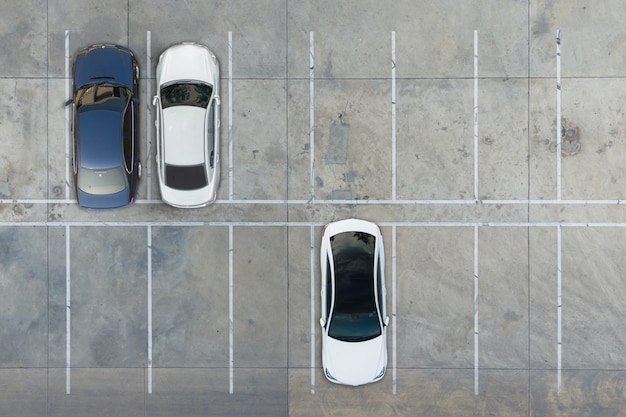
(308, 224)
(558, 114)
(67, 115)
(230, 115)
(394, 377)
(149, 121)
(68, 327)
(393, 115)
(313, 309)
(559, 305)
(149, 237)
(231, 325)
(357, 202)
(312, 112)
(475, 115)
(475, 310)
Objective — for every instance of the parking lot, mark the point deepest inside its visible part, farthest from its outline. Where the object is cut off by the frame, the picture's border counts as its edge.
(504, 232)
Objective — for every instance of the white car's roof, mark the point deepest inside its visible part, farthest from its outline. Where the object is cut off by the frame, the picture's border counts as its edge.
(183, 132)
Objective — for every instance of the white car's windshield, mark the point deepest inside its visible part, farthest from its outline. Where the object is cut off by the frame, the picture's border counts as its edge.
(186, 94)
(354, 316)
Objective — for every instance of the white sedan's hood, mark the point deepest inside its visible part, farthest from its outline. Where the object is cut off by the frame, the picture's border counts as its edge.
(355, 363)
(187, 61)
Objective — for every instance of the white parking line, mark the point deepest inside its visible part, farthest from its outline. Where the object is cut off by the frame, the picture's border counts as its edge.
(230, 115)
(67, 115)
(312, 112)
(475, 115)
(149, 120)
(68, 315)
(558, 114)
(559, 305)
(149, 241)
(393, 115)
(231, 319)
(475, 310)
(371, 202)
(394, 377)
(312, 260)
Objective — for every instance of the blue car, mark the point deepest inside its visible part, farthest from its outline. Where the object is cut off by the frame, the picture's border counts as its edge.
(105, 147)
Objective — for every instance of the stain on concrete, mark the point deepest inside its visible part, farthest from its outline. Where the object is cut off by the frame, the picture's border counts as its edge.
(341, 195)
(337, 152)
(570, 142)
(5, 190)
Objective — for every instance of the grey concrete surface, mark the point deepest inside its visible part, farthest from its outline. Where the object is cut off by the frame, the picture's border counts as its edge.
(214, 311)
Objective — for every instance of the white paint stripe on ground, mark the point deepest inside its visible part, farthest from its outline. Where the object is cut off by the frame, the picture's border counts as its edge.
(312, 112)
(149, 239)
(230, 115)
(394, 376)
(558, 114)
(308, 224)
(475, 115)
(313, 309)
(231, 322)
(618, 202)
(393, 116)
(559, 305)
(149, 109)
(475, 310)
(67, 115)
(68, 315)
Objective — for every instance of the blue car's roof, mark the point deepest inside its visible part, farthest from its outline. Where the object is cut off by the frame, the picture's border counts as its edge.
(110, 63)
(100, 139)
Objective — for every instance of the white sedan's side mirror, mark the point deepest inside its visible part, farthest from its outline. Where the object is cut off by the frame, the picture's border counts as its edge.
(387, 321)
(155, 100)
(322, 323)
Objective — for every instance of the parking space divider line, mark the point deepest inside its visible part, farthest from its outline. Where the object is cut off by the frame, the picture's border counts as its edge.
(312, 260)
(394, 312)
(149, 244)
(393, 116)
(475, 310)
(231, 324)
(312, 113)
(149, 115)
(230, 115)
(559, 306)
(67, 115)
(558, 115)
(476, 115)
(370, 202)
(68, 315)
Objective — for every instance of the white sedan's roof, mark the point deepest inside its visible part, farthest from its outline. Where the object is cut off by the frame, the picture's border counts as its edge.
(184, 135)
(187, 61)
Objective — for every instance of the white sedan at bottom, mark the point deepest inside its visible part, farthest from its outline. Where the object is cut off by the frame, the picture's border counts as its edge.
(354, 337)
(187, 108)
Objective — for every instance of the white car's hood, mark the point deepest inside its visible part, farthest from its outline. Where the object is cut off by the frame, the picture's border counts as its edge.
(187, 62)
(355, 363)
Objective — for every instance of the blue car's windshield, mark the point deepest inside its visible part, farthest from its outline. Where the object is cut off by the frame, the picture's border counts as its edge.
(102, 96)
(354, 316)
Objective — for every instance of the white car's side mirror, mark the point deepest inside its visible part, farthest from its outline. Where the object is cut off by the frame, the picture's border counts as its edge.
(387, 321)
(155, 100)
(322, 323)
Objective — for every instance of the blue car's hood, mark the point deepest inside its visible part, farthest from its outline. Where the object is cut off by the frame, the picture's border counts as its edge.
(113, 64)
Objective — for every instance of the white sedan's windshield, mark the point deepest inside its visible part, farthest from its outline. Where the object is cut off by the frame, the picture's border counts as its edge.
(186, 94)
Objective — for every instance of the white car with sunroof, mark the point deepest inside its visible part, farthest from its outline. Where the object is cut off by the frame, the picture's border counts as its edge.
(187, 106)
(354, 321)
